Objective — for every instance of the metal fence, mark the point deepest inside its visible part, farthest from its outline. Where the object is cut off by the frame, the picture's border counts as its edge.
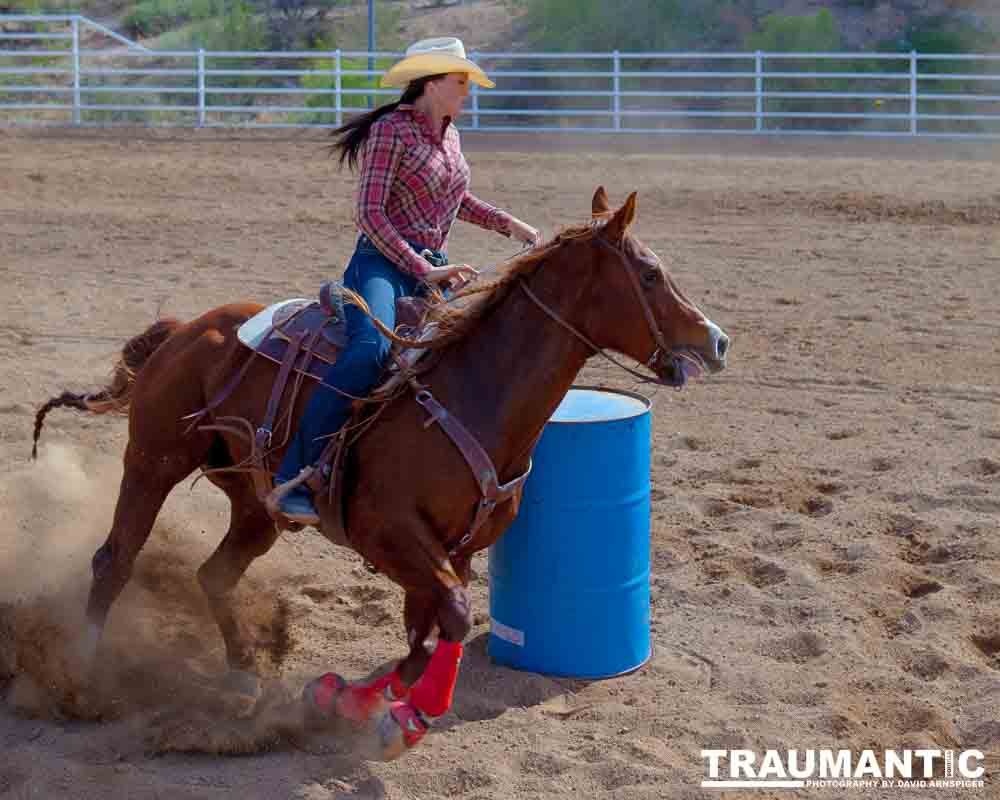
(68, 69)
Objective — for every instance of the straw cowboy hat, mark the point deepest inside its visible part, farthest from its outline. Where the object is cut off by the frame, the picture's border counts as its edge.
(436, 56)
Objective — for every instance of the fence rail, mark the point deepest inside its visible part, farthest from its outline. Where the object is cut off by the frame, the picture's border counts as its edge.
(67, 69)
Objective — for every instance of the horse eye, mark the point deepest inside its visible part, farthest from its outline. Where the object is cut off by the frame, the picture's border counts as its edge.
(650, 276)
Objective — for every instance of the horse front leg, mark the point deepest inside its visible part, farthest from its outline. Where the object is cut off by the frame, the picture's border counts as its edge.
(331, 696)
(420, 688)
(407, 720)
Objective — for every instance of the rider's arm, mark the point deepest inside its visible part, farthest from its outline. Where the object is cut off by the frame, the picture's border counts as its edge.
(481, 213)
(383, 151)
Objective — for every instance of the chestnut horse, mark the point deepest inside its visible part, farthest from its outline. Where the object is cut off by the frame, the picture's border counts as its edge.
(506, 362)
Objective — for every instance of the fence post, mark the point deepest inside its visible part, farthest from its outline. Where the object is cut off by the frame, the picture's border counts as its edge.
(758, 91)
(913, 93)
(76, 69)
(475, 98)
(616, 100)
(338, 98)
(201, 88)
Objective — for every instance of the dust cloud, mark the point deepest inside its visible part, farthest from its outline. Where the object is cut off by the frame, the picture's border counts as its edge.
(160, 664)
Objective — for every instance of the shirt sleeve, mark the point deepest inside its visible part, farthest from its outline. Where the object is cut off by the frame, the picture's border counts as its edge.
(380, 164)
(481, 213)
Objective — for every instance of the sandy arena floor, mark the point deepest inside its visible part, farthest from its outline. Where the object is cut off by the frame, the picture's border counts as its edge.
(825, 550)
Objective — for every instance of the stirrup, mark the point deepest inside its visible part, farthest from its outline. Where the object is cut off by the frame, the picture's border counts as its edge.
(299, 509)
(280, 490)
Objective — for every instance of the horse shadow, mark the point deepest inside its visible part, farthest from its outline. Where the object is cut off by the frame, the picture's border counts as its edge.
(486, 689)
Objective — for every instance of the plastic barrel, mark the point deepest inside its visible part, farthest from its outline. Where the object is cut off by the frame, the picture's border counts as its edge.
(569, 580)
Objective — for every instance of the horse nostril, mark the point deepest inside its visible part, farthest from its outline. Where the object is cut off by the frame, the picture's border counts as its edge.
(722, 347)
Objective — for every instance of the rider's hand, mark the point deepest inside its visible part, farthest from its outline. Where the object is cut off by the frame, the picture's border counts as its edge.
(453, 276)
(522, 231)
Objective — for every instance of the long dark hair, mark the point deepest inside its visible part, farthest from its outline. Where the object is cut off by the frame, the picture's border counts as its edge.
(352, 134)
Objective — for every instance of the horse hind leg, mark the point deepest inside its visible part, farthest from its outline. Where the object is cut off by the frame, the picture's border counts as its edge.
(144, 487)
(251, 534)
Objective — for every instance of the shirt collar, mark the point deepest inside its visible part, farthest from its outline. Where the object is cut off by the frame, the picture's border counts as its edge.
(425, 122)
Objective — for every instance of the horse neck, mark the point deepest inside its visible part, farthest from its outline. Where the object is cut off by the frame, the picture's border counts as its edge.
(507, 377)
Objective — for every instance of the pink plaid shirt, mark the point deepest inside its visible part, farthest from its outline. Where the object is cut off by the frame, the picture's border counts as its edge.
(413, 184)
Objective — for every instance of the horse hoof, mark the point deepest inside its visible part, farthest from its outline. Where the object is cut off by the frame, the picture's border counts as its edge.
(86, 648)
(242, 690)
(331, 697)
(319, 698)
(241, 682)
(400, 729)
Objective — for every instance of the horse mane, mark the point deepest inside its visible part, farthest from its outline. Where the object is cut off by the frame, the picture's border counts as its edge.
(456, 322)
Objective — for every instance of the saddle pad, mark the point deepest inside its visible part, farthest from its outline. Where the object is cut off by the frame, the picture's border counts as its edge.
(252, 332)
(294, 317)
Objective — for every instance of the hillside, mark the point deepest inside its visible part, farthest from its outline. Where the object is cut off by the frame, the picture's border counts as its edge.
(502, 24)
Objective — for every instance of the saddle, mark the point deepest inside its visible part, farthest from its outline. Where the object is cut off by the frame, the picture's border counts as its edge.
(317, 327)
(303, 337)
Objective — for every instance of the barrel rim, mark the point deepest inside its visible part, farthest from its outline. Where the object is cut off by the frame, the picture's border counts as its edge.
(646, 402)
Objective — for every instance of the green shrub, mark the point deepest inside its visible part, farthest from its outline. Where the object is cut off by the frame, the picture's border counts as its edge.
(326, 82)
(637, 25)
(152, 17)
(951, 34)
(792, 34)
(947, 34)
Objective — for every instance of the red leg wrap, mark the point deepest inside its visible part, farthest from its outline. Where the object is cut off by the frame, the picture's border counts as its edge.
(396, 690)
(432, 693)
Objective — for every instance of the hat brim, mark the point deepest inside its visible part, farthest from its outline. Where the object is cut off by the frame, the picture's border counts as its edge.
(420, 66)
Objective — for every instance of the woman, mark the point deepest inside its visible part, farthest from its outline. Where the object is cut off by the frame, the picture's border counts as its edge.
(413, 183)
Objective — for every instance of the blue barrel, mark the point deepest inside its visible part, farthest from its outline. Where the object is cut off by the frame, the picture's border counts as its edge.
(569, 580)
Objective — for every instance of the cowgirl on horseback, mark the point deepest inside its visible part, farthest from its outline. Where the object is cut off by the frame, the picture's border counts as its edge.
(413, 184)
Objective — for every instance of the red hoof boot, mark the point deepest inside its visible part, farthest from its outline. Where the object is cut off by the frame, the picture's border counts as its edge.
(331, 697)
(319, 698)
(400, 729)
(360, 703)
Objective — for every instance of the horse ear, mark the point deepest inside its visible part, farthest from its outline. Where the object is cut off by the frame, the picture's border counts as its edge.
(619, 223)
(599, 205)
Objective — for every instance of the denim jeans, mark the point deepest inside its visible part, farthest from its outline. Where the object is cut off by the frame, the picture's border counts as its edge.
(359, 365)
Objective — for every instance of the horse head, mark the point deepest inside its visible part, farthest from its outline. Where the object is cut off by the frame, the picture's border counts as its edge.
(636, 307)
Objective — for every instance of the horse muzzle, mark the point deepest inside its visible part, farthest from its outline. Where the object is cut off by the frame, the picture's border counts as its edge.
(676, 367)
(718, 347)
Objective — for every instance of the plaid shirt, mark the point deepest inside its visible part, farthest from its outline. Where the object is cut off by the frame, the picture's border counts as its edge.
(413, 184)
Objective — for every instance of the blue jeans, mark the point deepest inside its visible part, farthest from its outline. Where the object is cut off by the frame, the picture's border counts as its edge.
(360, 364)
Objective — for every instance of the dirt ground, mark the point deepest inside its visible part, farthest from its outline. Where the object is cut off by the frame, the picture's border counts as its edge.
(825, 558)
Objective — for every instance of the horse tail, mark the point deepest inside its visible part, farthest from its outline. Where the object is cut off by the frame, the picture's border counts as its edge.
(116, 396)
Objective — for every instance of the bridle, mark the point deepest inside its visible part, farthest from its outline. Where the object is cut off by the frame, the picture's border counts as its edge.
(656, 362)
